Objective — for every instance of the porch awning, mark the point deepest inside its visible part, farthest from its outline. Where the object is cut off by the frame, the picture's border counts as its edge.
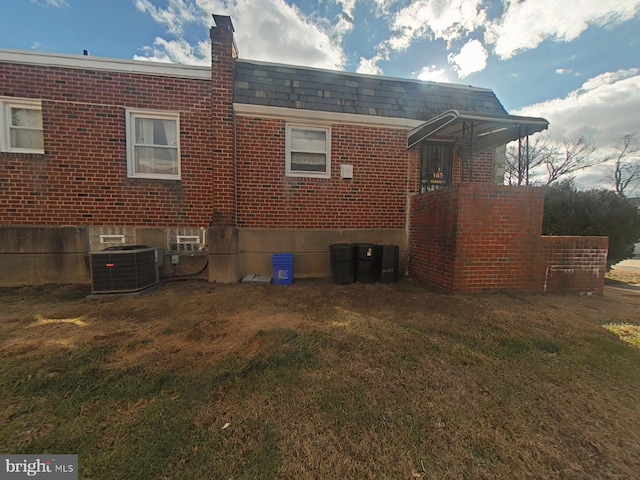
(489, 131)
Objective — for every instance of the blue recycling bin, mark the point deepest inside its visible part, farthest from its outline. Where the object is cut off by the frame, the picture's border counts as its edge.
(282, 268)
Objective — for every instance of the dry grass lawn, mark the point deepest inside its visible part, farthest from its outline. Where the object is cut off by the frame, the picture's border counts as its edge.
(621, 275)
(195, 380)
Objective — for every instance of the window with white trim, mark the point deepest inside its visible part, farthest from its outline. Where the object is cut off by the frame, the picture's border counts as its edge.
(153, 144)
(21, 125)
(308, 151)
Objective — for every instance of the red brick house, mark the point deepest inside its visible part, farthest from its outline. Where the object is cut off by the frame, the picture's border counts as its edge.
(227, 164)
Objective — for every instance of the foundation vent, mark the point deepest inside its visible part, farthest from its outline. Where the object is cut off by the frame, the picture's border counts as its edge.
(187, 239)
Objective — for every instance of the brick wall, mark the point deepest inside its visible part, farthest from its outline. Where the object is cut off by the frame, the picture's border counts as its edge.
(498, 230)
(574, 264)
(82, 177)
(432, 236)
(384, 172)
(483, 168)
(474, 237)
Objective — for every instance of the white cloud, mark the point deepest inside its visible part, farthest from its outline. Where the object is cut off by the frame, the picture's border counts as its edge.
(51, 3)
(526, 24)
(278, 32)
(342, 27)
(177, 51)
(522, 25)
(384, 6)
(608, 78)
(348, 6)
(436, 19)
(175, 16)
(432, 73)
(346, 19)
(269, 30)
(603, 108)
(447, 20)
(472, 58)
(369, 66)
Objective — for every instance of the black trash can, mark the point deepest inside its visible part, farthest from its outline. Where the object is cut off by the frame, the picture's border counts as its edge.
(389, 271)
(342, 263)
(367, 262)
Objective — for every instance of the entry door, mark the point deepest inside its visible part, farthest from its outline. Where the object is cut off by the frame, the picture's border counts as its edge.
(436, 166)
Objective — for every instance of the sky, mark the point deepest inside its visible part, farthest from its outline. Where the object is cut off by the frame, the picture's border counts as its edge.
(574, 62)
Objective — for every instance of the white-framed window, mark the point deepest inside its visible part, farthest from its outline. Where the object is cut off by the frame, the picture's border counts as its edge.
(153, 144)
(308, 151)
(21, 125)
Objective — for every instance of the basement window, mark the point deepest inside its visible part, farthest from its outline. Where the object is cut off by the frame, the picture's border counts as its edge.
(153, 144)
(21, 125)
(308, 151)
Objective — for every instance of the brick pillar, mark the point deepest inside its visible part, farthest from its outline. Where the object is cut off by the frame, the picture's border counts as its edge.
(223, 235)
(223, 60)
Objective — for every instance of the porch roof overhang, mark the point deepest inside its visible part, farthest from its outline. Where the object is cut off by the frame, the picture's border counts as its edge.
(489, 131)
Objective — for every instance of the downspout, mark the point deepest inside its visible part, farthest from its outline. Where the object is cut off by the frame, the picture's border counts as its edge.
(462, 149)
(471, 154)
(404, 266)
(235, 171)
(528, 159)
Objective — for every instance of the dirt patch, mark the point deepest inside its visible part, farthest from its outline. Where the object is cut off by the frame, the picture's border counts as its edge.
(178, 326)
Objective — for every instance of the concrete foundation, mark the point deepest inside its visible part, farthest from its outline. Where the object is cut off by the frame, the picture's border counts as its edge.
(38, 255)
(310, 248)
(223, 248)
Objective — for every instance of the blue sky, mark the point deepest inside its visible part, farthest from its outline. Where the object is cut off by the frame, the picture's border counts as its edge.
(574, 62)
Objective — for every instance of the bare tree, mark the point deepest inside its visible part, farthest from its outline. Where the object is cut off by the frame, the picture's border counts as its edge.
(548, 160)
(517, 167)
(624, 171)
(525, 170)
(575, 155)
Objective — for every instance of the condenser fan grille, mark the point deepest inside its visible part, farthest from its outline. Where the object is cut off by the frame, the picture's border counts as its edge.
(123, 269)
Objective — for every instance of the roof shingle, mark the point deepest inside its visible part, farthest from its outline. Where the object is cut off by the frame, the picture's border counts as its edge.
(258, 83)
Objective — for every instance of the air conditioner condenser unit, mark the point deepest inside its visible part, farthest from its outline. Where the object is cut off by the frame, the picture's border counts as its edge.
(124, 269)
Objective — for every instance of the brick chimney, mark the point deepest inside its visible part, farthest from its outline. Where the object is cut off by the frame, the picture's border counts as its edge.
(223, 60)
(222, 37)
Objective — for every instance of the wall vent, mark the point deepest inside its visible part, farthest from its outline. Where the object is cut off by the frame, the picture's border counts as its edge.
(187, 239)
(101, 237)
(112, 239)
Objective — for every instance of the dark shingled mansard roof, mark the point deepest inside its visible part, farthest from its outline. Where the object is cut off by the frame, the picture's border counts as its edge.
(259, 83)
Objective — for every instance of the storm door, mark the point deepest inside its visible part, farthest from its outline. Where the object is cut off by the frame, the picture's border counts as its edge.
(436, 166)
